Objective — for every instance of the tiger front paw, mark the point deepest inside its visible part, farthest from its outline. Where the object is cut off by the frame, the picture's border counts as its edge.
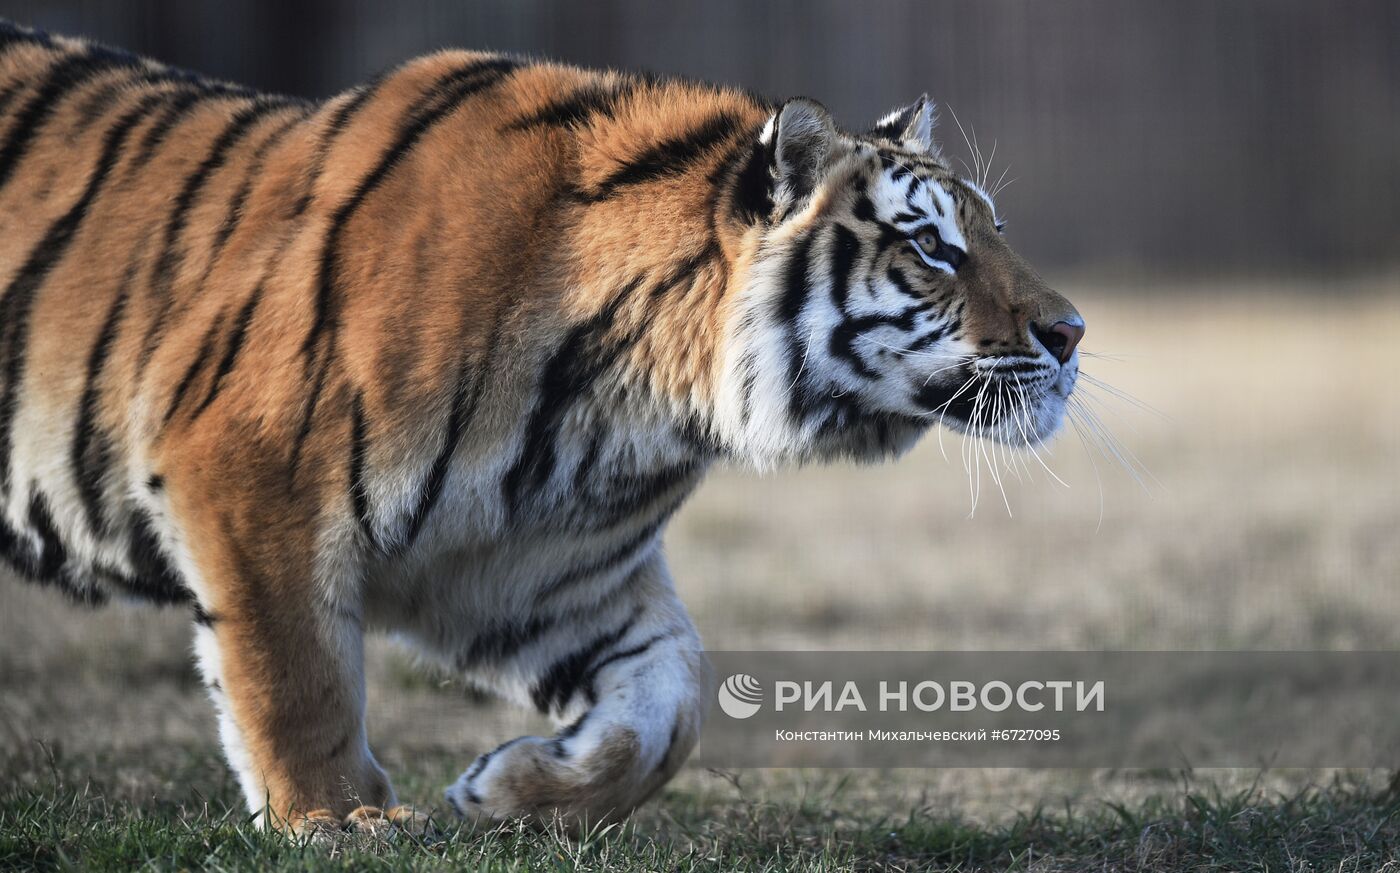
(375, 821)
(541, 780)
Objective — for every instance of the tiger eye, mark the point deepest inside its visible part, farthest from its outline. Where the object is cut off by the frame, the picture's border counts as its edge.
(928, 241)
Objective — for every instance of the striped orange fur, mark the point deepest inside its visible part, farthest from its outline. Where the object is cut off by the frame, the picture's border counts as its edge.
(441, 355)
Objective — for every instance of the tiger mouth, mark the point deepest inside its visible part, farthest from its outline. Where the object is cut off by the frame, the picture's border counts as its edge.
(1008, 407)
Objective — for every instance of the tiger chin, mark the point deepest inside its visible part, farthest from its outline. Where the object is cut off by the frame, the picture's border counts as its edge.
(440, 356)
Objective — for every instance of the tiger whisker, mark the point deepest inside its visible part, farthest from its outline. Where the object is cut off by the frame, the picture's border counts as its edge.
(1025, 406)
(1002, 186)
(803, 366)
(1114, 451)
(996, 189)
(1105, 411)
(903, 166)
(944, 407)
(952, 366)
(985, 435)
(987, 169)
(1103, 356)
(915, 353)
(968, 142)
(1098, 480)
(1124, 396)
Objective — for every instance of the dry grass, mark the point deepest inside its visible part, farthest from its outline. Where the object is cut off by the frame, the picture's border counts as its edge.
(1273, 527)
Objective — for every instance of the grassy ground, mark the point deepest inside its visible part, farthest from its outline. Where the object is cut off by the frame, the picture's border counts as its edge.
(755, 821)
(1272, 527)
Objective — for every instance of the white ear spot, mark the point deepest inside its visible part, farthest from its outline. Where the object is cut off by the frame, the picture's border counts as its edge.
(765, 136)
(912, 126)
(889, 120)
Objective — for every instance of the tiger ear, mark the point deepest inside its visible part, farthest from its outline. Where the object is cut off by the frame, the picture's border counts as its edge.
(912, 126)
(802, 138)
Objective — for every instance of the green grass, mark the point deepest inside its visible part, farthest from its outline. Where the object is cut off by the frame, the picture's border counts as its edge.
(55, 815)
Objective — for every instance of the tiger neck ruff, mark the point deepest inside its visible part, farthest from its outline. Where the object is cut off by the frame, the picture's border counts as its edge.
(441, 355)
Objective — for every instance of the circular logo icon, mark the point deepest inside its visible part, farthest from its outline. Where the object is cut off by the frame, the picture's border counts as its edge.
(740, 696)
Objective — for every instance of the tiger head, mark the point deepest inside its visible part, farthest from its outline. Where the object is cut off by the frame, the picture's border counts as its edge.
(881, 299)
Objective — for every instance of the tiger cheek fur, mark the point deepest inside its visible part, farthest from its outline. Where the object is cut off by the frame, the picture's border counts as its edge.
(441, 356)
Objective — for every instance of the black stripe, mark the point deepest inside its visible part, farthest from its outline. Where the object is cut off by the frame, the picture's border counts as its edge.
(94, 105)
(447, 94)
(898, 168)
(17, 303)
(52, 554)
(180, 106)
(313, 402)
(66, 75)
(231, 350)
(924, 341)
(909, 191)
(610, 561)
(563, 678)
(579, 106)
(628, 495)
(639, 649)
(795, 278)
(171, 254)
(864, 208)
(748, 367)
(359, 488)
(19, 552)
(687, 269)
(203, 617)
(503, 642)
(338, 122)
(789, 308)
(567, 376)
(901, 284)
(570, 731)
(670, 157)
(155, 577)
(843, 337)
(206, 349)
(8, 95)
(752, 187)
(233, 215)
(92, 449)
(845, 249)
(184, 104)
(91, 107)
(464, 404)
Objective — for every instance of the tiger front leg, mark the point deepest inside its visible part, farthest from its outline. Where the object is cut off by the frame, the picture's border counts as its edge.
(279, 642)
(631, 695)
(289, 693)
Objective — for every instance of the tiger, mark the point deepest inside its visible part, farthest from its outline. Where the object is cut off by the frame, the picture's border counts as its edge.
(440, 356)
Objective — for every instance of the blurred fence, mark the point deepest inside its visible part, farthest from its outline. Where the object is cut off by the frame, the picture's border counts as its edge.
(1196, 137)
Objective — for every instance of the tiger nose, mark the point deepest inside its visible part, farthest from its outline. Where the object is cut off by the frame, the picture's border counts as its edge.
(1060, 338)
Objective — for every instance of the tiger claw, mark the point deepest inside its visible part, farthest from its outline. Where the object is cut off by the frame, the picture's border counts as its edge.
(379, 822)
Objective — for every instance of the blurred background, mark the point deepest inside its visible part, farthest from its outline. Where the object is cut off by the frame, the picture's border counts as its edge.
(1190, 137)
(1215, 185)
